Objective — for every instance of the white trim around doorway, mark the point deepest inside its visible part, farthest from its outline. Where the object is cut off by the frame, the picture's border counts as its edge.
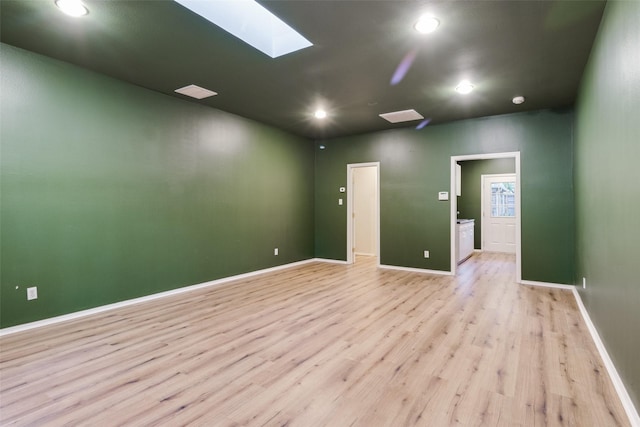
(350, 168)
(454, 205)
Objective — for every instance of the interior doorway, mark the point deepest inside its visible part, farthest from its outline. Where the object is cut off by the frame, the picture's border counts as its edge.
(363, 211)
(455, 180)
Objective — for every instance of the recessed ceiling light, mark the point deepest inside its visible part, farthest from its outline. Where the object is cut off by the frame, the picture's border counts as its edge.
(196, 92)
(464, 87)
(402, 116)
(72, 7)
(426, 24)
(252, 23)
(320, 114)
(518, 100)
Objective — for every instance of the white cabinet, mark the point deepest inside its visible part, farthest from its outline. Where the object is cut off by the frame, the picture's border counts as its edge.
(464, 235)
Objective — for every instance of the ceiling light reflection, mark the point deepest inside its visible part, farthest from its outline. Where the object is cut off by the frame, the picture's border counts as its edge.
(403, 67)
(423, 123)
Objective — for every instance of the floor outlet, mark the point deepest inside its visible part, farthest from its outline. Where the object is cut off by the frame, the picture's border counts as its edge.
(426, 254)
(275, 251)
(32, 293)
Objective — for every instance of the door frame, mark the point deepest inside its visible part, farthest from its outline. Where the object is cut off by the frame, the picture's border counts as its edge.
(350, 242)
(483, 200)
(454, 205)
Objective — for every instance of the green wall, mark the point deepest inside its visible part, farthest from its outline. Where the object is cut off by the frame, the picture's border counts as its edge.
(415, 166)
(469, 203)
(608, 190)
(111, 191)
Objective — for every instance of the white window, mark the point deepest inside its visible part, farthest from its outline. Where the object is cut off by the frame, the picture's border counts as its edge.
(503, 199)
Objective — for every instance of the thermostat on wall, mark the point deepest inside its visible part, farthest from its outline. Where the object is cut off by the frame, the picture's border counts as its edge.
(443, 195)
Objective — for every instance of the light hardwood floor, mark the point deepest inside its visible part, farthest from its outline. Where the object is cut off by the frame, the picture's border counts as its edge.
(320, 345)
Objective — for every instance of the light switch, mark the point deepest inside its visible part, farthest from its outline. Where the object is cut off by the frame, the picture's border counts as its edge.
(340, 202)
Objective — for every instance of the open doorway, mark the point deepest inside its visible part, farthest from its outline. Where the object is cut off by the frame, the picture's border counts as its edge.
(363, 211)
(467, 205)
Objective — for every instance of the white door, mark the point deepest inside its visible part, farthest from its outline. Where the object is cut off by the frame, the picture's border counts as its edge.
(499, 213)
(364, 210)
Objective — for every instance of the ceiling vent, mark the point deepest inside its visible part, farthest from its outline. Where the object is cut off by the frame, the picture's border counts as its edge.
(402, 116)
(196, 92)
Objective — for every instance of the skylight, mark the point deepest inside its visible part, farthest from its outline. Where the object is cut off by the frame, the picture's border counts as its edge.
(251, 23)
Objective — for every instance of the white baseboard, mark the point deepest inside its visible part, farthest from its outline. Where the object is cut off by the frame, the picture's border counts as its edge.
(415, 270)
(547, 285)
(331, 261)
(627, 403)
(364, 254)
(126, 303)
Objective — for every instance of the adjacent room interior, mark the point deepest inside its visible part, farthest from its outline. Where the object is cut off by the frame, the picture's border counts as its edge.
(411, 213)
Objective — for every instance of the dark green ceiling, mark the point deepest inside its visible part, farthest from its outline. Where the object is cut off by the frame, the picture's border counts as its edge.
(533, 48)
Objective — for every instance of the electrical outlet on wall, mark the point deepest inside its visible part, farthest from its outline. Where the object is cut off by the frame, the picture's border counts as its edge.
(275, 251)
(32, 293)
(584, 283)
(426, 254)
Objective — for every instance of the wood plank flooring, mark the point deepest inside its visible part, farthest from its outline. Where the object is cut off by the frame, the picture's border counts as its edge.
(320, 345)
